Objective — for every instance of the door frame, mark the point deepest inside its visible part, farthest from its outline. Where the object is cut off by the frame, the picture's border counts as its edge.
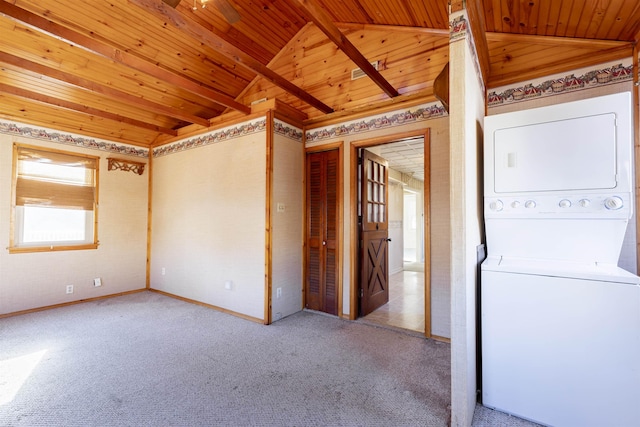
(353, 175)
(340, 220)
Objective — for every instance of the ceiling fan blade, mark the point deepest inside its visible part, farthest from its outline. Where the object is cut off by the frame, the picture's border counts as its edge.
(227, 10)
(172, 3)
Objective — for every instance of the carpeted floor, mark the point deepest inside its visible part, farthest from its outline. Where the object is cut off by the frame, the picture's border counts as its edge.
(149, 360)
(485, 417)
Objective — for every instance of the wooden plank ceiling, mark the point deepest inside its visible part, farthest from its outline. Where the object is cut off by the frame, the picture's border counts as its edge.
(145, 73)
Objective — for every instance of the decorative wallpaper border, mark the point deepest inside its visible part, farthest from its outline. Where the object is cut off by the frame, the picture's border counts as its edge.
(459, 30)
(605, 74)
(286, 130)
(394, 118)
(213, 137)
(15, 129)
(458, 26)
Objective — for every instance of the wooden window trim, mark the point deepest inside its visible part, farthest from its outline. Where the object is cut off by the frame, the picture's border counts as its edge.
(88, 161)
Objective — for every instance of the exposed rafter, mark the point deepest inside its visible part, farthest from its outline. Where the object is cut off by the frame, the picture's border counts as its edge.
(162, 11)
(392, 28)
(60, 103)
(324, 22)
(556, 41)
(479, 31)
(112, 93)
(117, 55)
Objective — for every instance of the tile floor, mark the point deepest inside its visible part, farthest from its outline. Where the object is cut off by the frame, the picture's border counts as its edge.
(405, 308)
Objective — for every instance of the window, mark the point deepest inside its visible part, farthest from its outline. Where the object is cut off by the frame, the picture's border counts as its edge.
(55, 200)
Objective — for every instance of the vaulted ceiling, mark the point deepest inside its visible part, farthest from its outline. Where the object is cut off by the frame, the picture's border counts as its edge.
(145, 73)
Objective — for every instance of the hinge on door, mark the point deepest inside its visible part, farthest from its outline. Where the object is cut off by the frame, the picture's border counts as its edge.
(361, 292)
(359, 160)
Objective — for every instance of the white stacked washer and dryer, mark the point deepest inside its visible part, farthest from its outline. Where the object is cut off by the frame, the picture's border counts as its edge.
(560, 319)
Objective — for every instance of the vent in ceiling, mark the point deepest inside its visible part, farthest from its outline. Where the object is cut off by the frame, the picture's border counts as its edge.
(357, 73)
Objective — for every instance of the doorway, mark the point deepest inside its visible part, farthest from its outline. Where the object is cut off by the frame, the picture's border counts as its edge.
(409, 277)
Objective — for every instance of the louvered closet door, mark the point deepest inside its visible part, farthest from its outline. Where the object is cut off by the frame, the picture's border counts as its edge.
(322, 219)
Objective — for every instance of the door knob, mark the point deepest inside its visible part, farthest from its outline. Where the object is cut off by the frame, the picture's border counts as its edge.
(388, 240)
(324, 243)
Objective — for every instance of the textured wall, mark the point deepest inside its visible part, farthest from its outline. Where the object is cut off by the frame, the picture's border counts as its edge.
(208, 223)
(466, 118)
(440, 231)
(33, 280)
(287, 227)
(395, 206)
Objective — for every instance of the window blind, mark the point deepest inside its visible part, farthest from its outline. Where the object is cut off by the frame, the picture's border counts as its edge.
(52, 179)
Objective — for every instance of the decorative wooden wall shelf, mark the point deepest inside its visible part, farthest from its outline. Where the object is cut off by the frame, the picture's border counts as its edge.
(125, 165)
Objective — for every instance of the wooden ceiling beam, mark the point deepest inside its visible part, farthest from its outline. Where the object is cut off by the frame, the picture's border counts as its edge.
(201, 34)
(477, 24)
(101, 89)
(119, 56)
(324, 22)
(568, 42)
(393, 28)
(60, 103)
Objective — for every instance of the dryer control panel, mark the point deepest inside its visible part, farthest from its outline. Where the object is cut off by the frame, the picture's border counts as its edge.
(575, 206)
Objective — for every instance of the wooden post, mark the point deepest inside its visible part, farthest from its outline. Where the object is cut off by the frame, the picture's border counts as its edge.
(636, 133)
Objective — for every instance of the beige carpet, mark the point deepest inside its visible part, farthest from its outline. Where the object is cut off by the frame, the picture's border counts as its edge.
(149, 360)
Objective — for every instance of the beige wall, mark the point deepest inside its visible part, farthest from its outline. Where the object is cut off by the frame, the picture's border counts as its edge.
(208, 221)
(287, 226)
(439, 191)
(467, 117)
(440, 230)
(396, 210)
(34, 280)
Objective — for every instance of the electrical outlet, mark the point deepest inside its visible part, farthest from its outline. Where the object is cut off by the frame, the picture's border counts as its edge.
(69, 289)
(164, 271)
(278, 292)
(97, 282)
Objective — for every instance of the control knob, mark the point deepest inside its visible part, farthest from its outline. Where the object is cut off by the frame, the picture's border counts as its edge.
(584, 203)
(564, 203)
(530, 204)
(613, 203)
(496, 205)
